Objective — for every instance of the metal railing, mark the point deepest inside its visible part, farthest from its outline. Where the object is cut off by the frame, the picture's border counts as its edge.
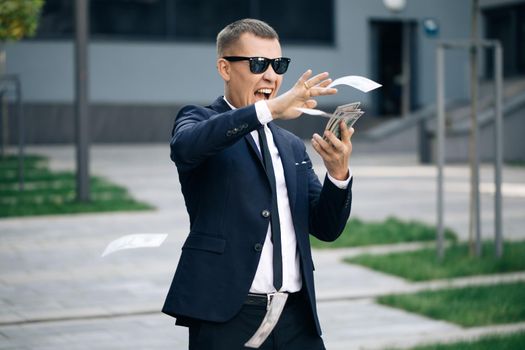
(498, 151)
(12, 82)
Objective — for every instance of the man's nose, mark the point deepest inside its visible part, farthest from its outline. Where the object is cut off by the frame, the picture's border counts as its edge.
(270, 74)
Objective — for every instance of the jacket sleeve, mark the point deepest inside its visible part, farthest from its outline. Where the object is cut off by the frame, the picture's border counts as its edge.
(329, 207)
(200, 132)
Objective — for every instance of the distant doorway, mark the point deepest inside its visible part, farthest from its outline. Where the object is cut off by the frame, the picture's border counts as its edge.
(391, 69)
(507, 24)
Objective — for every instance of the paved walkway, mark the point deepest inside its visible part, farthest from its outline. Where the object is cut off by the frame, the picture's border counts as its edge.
(56, 292)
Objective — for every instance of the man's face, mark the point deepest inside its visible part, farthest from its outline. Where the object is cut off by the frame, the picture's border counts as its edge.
(242, 87)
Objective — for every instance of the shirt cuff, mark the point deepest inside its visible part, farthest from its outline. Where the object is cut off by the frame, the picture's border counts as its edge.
(342, 184)
(263, 112)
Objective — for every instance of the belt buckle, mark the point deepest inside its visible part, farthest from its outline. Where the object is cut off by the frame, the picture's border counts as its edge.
(269, 298)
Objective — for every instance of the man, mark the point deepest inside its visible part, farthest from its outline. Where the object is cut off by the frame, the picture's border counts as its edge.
(253, 199)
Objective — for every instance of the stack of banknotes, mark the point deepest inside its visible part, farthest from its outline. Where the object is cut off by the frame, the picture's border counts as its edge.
(349, 113)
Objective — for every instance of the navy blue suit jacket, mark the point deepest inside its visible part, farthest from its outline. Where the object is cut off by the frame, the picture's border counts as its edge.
(226, 190)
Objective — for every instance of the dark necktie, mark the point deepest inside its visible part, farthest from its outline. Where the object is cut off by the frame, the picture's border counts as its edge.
(274, 214)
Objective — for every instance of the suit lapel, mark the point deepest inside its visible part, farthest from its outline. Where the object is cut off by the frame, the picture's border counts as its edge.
(253, 146)
(288, 161)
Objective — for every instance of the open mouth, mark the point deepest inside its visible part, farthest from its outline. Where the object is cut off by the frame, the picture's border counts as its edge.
(263, 93)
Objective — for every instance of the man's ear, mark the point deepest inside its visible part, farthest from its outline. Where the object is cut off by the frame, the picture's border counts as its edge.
(223, 67)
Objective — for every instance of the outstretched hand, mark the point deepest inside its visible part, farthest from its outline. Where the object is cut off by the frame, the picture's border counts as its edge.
(335, 153)
(300, 95)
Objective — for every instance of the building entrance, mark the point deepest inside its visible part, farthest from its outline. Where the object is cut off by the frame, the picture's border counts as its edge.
(393, 64)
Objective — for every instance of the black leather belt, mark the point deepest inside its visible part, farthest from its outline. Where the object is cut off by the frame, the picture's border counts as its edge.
(265, 299)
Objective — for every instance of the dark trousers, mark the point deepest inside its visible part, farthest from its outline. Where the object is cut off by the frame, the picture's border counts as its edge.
(294, 331)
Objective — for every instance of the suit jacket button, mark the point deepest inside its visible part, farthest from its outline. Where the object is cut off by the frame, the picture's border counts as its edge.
(229, 133)
(265, 213)
(258, 247)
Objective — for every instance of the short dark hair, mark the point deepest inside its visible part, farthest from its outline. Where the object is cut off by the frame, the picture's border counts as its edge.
(233, 31)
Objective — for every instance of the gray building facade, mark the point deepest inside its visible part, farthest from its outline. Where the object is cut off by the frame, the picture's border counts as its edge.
(137, 84)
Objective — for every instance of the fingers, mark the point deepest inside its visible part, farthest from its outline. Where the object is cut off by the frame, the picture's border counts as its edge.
(321, 78)
(334, 152)
(321, 91)
(333, 144)
(325, 83)
(314, 81)
(311, 103)
(346, 133)
(334, 141)
(304, 77)
(327, 147)
(316, 85)
(320, 146)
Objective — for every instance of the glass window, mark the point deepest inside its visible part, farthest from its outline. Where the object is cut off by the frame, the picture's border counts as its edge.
(507, 24)
(128, 18)
(197, 20)
(56, 20)
(203, 19)
(299, 21)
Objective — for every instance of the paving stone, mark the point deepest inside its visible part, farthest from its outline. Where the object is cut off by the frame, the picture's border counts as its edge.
(50, 266)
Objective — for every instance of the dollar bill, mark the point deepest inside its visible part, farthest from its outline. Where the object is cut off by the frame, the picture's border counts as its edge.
(348, 113)
(270, 320)
(140, 240)
(356, 81)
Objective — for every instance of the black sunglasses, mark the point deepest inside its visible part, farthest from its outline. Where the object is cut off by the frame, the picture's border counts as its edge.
(259, 65)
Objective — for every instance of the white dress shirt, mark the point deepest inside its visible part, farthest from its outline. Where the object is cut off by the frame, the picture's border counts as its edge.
(263, 280)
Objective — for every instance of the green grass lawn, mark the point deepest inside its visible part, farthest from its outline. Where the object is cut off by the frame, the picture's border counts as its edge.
(423, 265)
(469, 307)
(392, 230)
(46, 192)
(513, 341)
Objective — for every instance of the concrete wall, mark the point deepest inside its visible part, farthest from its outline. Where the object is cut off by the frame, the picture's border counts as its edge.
(145, 74)
(141, 72)
(457, 146)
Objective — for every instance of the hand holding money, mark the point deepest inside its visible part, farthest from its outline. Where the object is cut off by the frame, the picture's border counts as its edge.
(348, 113)
(334, 151)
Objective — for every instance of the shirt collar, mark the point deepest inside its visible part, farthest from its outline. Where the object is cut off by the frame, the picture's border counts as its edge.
(228, 102)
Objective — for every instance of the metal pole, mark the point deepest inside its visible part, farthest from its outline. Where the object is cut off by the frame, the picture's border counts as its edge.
(498, 152)
(3, 123)
(440, 158)
(474, 227)
(81, 100)
(21, 138)
(4, 113)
